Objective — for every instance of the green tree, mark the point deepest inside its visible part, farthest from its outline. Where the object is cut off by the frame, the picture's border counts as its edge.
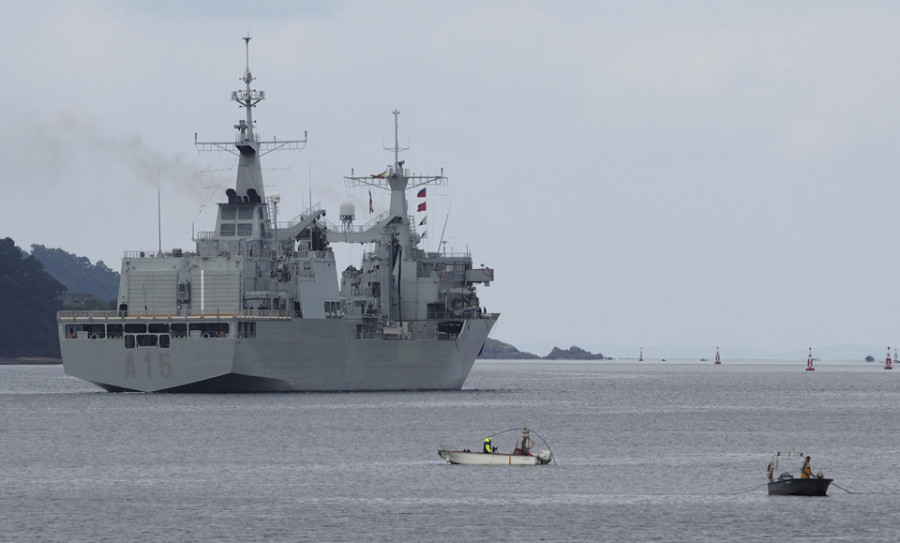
(78, 274)
(29, 299)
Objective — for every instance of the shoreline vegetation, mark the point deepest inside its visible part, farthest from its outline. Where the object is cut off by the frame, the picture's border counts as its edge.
(30, 361)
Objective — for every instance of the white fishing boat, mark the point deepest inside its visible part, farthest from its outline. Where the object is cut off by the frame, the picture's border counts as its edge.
(491, 456)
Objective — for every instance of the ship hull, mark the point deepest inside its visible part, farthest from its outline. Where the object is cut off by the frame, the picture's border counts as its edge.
(299, 355)
(799, 487)
(469, 458)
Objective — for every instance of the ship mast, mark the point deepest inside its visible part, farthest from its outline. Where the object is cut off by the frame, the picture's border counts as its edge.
(249, 184)
(395, 230)
(249, 174)
(398, 181)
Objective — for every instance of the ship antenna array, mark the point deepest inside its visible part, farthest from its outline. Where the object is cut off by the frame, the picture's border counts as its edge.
(248, 98)
(396, 148)
(444, 229)
(158, 208)
(380, 181)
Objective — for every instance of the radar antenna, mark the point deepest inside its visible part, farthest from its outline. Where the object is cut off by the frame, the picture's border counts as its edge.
(396, 171)
(248, 98)
(246, 145)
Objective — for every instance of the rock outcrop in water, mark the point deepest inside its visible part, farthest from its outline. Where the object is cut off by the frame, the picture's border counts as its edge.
(497, 350)
(573, 353)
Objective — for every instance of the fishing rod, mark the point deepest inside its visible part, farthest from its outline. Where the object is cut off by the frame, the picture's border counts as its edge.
(552, 457)
(749, 489)
(842, 488)
(504, 431)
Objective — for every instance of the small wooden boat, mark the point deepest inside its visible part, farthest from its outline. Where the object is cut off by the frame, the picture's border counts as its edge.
(787, 485)
(521, 455)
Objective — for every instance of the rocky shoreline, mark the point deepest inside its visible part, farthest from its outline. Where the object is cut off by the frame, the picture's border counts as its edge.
(497, 350)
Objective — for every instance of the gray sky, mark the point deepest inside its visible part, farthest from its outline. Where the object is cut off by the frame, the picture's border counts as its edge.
(673, 175)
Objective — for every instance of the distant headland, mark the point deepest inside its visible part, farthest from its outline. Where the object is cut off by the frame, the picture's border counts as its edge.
(497, 350)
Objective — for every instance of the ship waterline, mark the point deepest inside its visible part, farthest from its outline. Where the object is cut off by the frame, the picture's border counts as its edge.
(297, 355)
(259, 306)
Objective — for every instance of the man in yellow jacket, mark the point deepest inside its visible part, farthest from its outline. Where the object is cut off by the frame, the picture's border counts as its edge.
(488, 446)
(806, 471)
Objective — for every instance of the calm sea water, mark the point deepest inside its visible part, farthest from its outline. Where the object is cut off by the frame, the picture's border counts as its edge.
(644, 452)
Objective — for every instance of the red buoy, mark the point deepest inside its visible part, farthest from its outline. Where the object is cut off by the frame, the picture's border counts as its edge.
(718, 360)
(887, 361)
(809, 365)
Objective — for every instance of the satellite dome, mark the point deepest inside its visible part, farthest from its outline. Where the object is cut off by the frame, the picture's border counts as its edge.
(348, 212)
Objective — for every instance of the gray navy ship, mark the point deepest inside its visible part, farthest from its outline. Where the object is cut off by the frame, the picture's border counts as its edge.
(260, 306)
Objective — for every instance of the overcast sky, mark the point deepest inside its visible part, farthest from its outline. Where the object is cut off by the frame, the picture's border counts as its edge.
(672, 175)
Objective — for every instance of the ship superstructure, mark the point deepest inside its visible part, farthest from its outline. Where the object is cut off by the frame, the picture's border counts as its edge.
(258, 306)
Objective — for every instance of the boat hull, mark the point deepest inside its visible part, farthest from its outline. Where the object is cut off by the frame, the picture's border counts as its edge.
(799, 487)
(483, 459)
(295, 355)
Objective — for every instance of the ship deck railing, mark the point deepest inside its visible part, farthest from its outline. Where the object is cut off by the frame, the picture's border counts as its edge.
(257, 314)
(174, 253)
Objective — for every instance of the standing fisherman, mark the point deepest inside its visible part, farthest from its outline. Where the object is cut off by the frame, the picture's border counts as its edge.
(806, 470)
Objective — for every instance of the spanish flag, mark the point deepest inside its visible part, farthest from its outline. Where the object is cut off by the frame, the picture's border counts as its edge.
(382, 175)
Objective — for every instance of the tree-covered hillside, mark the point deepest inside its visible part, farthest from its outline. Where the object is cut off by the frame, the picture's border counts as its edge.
(29, 299)
(78, 274)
